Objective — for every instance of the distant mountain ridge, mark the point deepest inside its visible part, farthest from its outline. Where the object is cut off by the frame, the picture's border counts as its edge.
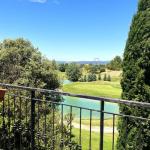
(85, 62)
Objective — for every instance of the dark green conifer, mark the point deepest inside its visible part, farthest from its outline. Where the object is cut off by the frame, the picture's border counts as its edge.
(99, 77)
(135, 134)
(108, 78)
(105, 77)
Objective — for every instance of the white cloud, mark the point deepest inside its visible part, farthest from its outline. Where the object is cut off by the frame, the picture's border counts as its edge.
(38, 1)
(57, 2)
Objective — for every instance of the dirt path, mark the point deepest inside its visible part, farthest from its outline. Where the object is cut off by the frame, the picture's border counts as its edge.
(94, 128)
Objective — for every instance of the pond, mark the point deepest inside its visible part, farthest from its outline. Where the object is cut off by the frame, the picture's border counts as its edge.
(66, 82)
(87, 103)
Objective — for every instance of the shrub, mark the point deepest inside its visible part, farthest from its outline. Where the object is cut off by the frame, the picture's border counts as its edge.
(99, 77)
(73, 72)
(105, 77)
(91, 77)
(85, 78)
(108, 78)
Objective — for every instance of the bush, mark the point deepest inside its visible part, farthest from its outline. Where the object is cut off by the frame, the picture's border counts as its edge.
(85, 78)
(108, 78)
(73, 72)
(93, 69)
(91, 77)
(105, 77)
(115, 64)
(99, 77)
(62, 67)
(102, 70)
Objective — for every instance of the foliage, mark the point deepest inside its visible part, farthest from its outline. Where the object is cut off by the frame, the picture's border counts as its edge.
(135, 134)
(73, 72)
(85, 78)
(62, 67)
(22, 64)
(105, 77)
(91, 77)
(108, 78)
(99, 77)
(93, 69)
(102, 70)
(115, 64)
(54, 65)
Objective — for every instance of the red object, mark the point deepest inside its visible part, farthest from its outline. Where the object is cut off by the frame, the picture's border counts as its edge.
(2, 93)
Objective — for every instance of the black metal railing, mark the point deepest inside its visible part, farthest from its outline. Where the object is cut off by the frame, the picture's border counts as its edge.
(33, 118)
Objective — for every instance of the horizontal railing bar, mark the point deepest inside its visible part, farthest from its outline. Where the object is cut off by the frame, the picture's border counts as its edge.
(94, 110)
(112, 100)
(88, 109)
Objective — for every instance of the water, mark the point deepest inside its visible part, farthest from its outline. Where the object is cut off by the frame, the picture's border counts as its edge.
(87, 103)
(66, 82)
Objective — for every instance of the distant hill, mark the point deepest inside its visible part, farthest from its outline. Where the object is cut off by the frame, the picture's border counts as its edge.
(85, 62)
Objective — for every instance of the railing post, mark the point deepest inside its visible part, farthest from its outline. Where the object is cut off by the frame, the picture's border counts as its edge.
(101, 125)
(32, 120)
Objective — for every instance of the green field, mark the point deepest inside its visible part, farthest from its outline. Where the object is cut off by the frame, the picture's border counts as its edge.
(95, 140)
(97, 88)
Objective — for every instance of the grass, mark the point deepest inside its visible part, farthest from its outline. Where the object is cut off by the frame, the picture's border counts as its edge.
(62, 75)
(97, 88)
(95, 140)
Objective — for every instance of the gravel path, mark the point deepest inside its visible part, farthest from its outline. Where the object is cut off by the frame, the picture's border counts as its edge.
(94, 128)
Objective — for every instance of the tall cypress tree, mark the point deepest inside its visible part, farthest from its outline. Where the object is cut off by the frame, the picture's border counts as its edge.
(135, 134)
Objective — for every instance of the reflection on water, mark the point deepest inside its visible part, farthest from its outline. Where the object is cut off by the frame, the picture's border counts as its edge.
(66, 82)
(87, 103)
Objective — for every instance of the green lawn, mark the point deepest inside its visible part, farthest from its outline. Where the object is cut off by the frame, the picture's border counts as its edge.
(97, 88)
(61, 75)
(95, 140)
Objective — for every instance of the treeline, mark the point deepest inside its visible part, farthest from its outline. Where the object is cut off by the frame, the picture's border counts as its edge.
(115, 64)
(89, 72)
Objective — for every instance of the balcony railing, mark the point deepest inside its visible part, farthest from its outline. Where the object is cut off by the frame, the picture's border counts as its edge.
(33, 118)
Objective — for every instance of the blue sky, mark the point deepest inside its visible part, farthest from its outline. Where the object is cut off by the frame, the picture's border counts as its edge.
(69, 29)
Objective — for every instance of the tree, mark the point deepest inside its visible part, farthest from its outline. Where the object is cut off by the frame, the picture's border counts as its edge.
(91, 77)
(73, 72)
(22, 64)
(115, 64)
(99, 77)
(86, 68)
(100, 68)
(108, 78)
(93, 68)
(85, 78)
(105, 77)
(62, 67)
(135, 134)
(54, 65)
